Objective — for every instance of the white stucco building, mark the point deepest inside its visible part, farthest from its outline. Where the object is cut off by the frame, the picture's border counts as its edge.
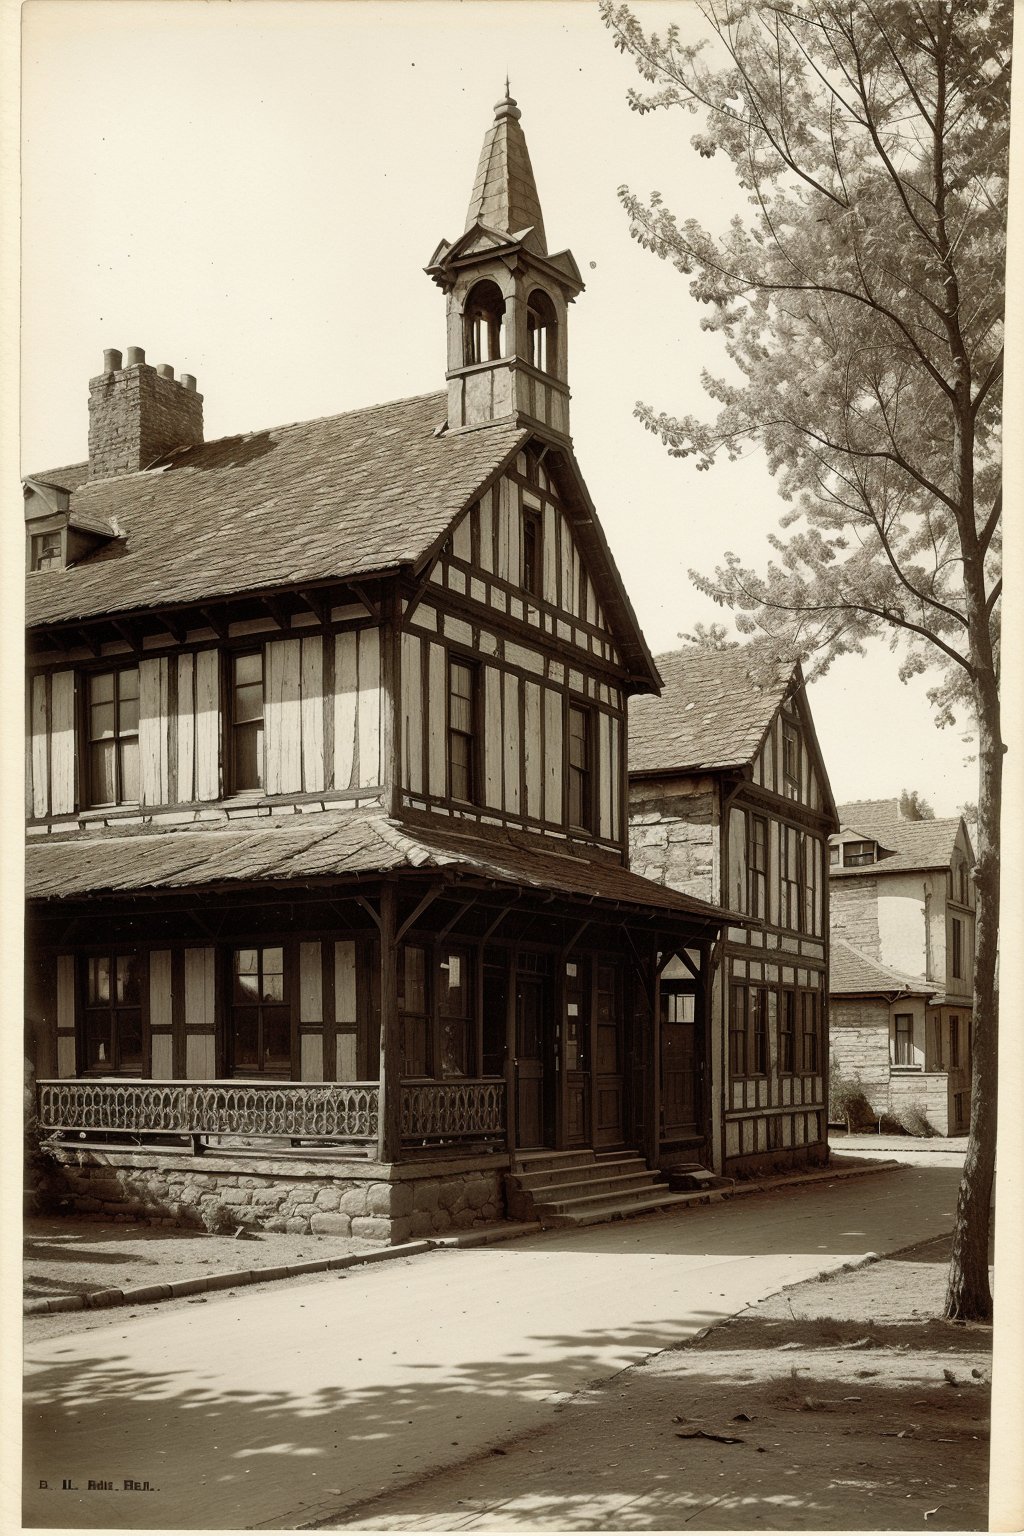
(902, 959)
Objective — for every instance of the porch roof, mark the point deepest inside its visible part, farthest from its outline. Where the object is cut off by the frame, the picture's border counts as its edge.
(329, 846)
(851, 972)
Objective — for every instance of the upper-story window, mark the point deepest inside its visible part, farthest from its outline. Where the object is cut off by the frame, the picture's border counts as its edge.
(247, 721)
(791, 877)
(531, 551)
(581, 776)
(834, 854)
(903, 1043)
(484, 321)
(45, 552)
(958, 947)
(790, 761)
(113, 1014)
(541, 332)
(858, 853)
(757, 868)
(954, 1040)
(963, 884)
(462, 769)
(112, 725)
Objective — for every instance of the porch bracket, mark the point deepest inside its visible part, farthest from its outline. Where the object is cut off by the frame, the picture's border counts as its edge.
(427, 901)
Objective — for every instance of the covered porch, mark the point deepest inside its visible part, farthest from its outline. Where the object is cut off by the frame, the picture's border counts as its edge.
(369, 995)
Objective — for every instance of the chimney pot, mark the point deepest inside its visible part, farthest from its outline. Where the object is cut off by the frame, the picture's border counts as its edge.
(136, 356)
(165, 370)
(188, 381)
(111, 360)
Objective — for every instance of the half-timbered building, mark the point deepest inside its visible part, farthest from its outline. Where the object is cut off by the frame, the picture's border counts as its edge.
(327, 826)
(729, 800)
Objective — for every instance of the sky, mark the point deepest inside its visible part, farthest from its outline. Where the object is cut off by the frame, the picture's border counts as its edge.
(250, 191)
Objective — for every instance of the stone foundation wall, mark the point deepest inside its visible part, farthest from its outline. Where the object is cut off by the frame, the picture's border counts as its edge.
(389, 1203)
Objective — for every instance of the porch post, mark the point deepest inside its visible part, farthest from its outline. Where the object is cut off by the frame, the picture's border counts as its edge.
(389, 1104)
(702, 1012)
(652, 1107)
(510, 1053)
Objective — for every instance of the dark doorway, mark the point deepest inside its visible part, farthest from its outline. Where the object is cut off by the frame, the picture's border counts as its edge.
(534, 1074)
(680, 1063)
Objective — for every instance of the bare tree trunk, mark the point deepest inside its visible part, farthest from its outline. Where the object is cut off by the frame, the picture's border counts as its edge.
(968, 1294)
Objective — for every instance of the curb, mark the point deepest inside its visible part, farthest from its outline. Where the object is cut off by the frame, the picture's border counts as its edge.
(227, 1279)
(141, 1294)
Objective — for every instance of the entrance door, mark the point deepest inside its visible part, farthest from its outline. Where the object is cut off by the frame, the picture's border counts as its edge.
(534, 1084)
(680, 1064)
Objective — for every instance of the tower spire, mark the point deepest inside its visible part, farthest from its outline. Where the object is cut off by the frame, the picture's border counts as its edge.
(504, 196)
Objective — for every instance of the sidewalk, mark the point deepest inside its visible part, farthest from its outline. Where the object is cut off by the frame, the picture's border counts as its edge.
(837, 1404)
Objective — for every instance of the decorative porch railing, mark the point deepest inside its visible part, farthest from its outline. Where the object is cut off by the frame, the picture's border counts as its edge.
(464, 1110)
(458, 1110)
(329, 1111)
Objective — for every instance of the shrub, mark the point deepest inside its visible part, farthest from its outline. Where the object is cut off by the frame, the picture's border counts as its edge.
(913, 1119)
(847, 1100)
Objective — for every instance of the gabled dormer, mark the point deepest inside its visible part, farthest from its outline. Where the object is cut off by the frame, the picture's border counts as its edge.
(507, 297)
(55, 536)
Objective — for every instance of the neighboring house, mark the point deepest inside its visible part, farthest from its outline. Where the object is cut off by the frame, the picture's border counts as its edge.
(729, 800)
(327, 844)
(902, 904)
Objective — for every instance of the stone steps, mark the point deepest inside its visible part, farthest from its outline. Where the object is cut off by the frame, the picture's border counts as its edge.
(580, 1188)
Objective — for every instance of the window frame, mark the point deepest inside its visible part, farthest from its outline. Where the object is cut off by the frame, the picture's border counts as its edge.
(40, 537)
(757, 874)
(790, 759)
(112, 1008)
(865, 855)
(235, 726)
(532, 551)
(791, 880)
(957, 948)
(906, 1036)
(810, 1005)
(121, 737)
(954, 1042)
(289, 993)
(542, 332)
(478, 321)
(469, 665)
(580, 774)
(787, 1031)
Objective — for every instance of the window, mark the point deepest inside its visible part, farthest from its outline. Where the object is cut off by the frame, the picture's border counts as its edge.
(247, 721)
(858, 853)
(834, 854)
(261, 1021)
(954, 1041)
(787, 1032)
(958, 947)
(759, 1010)
(113, 1014)
(757, 868)
(958, 1108)
(791, 873)
(455, 1008)
(484, 324)
(738, 1033)
(790, 760)
(541, 332)
(112, 708)
(413, 1014)
(812, 895)
(903, 1055)
(810, 1054)
(45, 552)
(531, 551)
(580, 772)
(461, 730)
(963, 886)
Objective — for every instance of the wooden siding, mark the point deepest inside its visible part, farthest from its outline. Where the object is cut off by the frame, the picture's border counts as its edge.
(50, 765)
(357, 709)
(154, 731)
(483, 560)
(522, 697)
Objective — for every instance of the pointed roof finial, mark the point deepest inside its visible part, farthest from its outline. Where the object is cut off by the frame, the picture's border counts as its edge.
(505, 194)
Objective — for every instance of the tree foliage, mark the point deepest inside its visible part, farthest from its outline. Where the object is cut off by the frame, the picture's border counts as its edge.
(860, 307)
(914, 806)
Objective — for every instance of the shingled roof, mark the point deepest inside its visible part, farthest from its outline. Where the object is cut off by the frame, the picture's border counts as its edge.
(908, 845)
(852, 972)
(504, 195)
(711, 714)
(342, 496)
(329, 845)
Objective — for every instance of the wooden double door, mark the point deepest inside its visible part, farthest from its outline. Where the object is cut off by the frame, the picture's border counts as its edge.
(569, 1070)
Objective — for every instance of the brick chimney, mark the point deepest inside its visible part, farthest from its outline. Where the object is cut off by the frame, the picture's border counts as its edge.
(137, 413)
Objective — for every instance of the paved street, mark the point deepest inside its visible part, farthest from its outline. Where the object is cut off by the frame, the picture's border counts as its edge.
(286, 1404)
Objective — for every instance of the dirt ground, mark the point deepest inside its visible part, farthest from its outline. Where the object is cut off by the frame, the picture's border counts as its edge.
(838, 1404)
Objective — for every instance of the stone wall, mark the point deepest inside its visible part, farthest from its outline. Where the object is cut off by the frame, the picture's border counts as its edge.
(388, 1203)
(673, 834)
(859, 1042)
(853, 912)
(925, 1091)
